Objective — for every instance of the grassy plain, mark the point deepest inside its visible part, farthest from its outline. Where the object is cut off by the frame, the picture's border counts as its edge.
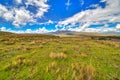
(47, 57)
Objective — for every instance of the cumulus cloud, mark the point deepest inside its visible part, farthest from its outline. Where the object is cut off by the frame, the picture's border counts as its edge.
(109, 14)
(118, 27)
(40, 4)
(8, 16)
(39, 30)
(36, 31)
(28, 31)
(5, 13)
(99, 29)
(77, 29)
(50, 22)
(3, 28)
(18, 1)
(21, 16)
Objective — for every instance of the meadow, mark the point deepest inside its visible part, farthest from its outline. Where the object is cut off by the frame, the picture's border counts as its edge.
(48, 57)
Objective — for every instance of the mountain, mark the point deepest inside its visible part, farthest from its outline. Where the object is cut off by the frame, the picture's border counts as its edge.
(73, 33)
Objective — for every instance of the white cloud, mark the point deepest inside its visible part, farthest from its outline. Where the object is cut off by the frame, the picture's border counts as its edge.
(3, 28)
(103, 0)
(2, 10)
(8, 15)
(50, 22)
(99, 29)
(85, 26)
(118, 27)
(28, 31)
(18, 1)
(111, 13)
(77, 29)
(67, 4)
(21, 16)
(39, 30)
(5, 13)
(36, 31)
(40, 4)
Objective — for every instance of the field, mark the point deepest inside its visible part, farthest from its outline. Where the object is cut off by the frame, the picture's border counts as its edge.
(47, 57)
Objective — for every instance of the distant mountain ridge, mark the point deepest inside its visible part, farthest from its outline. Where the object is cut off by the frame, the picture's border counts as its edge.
(69, 33)
(73, 33)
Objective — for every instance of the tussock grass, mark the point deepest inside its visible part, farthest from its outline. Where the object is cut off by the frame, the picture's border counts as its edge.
(83, 54)
(44, 57)
(51, 67)
(19, 61)
(58, 55)
(9, 43)
(110, 43)
(76, 71)
(82, 72)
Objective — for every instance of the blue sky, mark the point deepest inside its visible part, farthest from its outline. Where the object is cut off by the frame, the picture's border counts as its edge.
(41, 16)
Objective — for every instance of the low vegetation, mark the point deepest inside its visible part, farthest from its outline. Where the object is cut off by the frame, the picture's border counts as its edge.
(47, 57)
(58, 55)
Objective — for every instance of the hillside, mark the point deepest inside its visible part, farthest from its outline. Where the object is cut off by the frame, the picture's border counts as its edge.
(49, 57)
(73, 33)
(97, 36)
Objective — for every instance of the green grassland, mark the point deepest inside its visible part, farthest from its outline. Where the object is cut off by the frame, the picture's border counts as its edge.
(47, 57)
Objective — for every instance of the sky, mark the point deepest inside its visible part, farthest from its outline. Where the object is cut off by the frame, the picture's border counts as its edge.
(43, 16)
